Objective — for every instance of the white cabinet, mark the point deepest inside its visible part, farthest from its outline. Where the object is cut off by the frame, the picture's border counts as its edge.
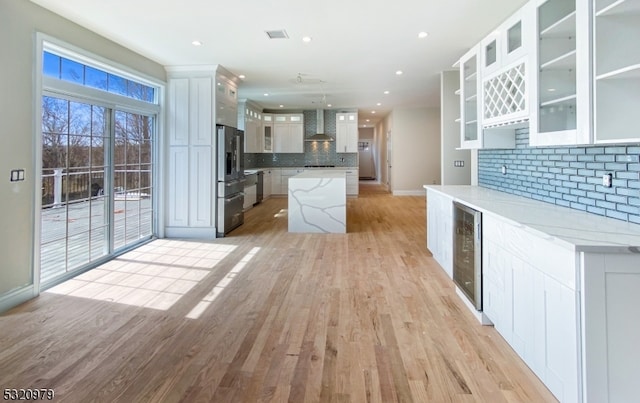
(280, 179)
(509, 42)
(288, 133)
(347, 132)
(192, 110)
(533, 302)
(562, 293)
(611, 306)
(267, 174)
(505, 73)
(617, 70)
(190, 166)
(276, 179)
(250, 121)
(439, 229)
(267, 133)
(469, 106)
(561, 83)
(250, 193)
(287, 173)
(353, 181)
(471, 134)
(226, 98)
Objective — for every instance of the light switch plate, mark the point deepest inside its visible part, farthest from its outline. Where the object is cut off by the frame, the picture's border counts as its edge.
(606, 180)
(17, 175)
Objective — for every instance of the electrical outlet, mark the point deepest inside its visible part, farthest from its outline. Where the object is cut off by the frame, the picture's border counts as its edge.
(607, 180)
(504, 169)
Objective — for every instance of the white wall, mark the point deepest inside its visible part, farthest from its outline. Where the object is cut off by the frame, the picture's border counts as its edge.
(381, 131)
(450, 133)
(19, 22)
(365, 133)
(415, 136)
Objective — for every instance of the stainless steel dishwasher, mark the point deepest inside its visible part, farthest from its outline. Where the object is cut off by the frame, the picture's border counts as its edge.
(260, 187)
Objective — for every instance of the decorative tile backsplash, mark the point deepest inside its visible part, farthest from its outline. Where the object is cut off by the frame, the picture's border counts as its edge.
(568, 176)
(315, 153)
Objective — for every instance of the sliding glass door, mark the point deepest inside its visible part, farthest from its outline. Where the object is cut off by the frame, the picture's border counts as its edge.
(97, 166)
(97, 135)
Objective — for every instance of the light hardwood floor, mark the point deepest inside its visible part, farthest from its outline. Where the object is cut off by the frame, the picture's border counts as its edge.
(264, 315)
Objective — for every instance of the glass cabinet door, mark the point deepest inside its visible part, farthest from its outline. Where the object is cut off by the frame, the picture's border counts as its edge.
(469, 102)
(557, 66)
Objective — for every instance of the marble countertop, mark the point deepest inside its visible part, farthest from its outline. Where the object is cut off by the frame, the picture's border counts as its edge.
(305, 168)
(321, 173)
(577, 230)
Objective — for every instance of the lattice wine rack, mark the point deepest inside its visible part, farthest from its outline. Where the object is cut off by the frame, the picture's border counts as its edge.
(505, 94)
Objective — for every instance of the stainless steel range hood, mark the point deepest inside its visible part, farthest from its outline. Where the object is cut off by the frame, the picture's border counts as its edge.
(320, 135)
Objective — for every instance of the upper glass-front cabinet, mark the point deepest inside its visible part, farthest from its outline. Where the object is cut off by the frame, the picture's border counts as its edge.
(617, 70)
(562, 92)
(469, 106)
(507, 43)
(514, 37)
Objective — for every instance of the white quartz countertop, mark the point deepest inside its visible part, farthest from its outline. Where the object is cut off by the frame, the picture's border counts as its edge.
(575, 229)
(320, 173)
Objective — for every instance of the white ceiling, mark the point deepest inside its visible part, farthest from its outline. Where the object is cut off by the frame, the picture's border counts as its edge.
(356, 49)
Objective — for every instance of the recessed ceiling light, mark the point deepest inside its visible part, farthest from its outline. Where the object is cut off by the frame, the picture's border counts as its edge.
(386, 93)
(282, 106)
(329, 105)
(306, 39)
(367, 120)
(551, 89)
(422, 35)
(373, 112)
(196, 43)
(266, 94)
(241, 76)
(399, 72)
(379, 103)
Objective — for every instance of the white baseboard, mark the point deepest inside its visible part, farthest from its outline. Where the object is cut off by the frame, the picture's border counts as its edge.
(17, 297)
(408, 193)
(190, 233)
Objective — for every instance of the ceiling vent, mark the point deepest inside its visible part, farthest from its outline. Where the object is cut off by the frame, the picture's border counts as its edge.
(277, 34)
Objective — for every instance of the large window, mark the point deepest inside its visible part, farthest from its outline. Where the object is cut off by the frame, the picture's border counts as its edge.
(98, 164)
(68, 70)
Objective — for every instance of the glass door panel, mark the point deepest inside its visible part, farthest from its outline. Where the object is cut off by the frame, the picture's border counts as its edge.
(132, 178)
(73, 227)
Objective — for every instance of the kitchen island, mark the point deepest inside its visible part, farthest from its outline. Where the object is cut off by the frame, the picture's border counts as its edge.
(318, 202)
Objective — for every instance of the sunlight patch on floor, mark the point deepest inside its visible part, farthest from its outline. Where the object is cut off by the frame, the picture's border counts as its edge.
(155, 276)
(222, 284)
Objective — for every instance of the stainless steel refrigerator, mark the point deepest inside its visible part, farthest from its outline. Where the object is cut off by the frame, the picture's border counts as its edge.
(230, 167)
